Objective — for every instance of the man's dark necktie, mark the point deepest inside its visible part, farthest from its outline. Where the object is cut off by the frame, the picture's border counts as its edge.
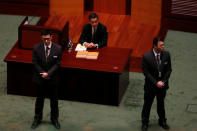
(158, 60)
(93, 31)
(158, 64)
(47, 52)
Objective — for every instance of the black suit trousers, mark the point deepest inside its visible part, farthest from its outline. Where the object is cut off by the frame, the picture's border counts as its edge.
(149, 96)
(46, 90)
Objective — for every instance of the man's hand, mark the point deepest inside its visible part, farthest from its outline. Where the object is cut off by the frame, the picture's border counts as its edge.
(160, 84)
(93, 45)
(44, 75)
(86, 44)
(89, 45)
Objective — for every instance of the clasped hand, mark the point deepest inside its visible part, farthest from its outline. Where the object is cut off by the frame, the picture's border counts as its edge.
(89, 45)
(44, 75)
(160, 84)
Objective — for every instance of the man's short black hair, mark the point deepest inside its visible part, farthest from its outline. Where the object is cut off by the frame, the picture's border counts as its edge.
(46, 32)
(93, 15)
(156, 40)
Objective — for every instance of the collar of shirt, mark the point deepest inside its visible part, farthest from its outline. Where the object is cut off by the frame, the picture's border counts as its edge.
(156, 53)
(93, 30)
(48, 46)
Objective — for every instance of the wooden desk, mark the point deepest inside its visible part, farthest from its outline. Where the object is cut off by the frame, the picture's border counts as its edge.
(101, 81)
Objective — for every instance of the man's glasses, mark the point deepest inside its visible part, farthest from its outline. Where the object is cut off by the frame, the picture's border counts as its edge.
(46, 39)
(93, 22)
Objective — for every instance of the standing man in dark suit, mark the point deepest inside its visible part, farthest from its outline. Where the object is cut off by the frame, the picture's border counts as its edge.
(94, 34)
(46, 58)
(156, 66)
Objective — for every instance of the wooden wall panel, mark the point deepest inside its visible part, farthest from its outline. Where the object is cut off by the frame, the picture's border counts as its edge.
(22, 7)
(148, 11)
(88, 5)
(120, 7)
(66, 7)
(27, 1)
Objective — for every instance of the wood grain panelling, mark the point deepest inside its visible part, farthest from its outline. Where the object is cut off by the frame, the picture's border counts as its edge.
(148, 11)
(66, 7)
(113, 6)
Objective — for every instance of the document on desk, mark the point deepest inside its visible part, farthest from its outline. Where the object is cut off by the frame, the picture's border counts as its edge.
(79, 47)
(87, 55)
(92, 55)
(81, 54)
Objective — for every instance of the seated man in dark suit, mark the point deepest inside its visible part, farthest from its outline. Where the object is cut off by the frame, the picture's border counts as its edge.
(46, 58)
(94, 34)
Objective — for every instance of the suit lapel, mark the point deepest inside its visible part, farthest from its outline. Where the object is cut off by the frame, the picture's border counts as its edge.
(95, 33)
(153, 59)
(42, 52)
(162, 57)
(51, 51)
(89, 32)
(97, 30)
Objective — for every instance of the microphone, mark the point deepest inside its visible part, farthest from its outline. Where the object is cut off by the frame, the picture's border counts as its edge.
(70, 46)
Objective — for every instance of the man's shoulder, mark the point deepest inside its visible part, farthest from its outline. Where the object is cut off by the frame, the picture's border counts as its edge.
(56, 46)
(166, 52)
(38, 45)
(87, 26)
(148, 54)
(102, 26)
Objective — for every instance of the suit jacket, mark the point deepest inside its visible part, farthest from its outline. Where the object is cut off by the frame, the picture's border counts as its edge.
(99, 37)
(50, 66)
(151, 72)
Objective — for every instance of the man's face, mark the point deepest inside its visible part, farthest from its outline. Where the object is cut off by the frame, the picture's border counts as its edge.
(160, 46)
(46, 39)
(94, 22)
